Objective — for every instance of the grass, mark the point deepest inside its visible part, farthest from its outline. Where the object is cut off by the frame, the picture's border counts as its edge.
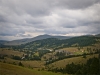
(31, 64)
(10, 52)
(76, 60)
(9, 69)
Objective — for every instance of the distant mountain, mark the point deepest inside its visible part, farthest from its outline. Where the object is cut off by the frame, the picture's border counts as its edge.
(98, 35)
(54, 43)
(2, 41)
(40, 37)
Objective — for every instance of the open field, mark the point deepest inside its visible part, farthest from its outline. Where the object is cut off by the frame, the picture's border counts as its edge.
(31, 64)
(40, 64)
(74, 50)
(76, 60)
(35, 65)
(9, 52)
(77, 51)
(8, 69)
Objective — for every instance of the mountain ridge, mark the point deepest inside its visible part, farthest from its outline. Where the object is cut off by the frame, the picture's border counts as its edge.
(54, 43)
(40, 37)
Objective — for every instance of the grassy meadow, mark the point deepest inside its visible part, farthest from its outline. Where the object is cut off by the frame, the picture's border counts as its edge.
(76, 60)
(9, 69)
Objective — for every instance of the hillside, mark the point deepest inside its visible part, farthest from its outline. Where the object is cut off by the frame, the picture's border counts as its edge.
(23, 41)
(45, 55)
(54, 43)
(76, 60)
(40, 37)
(8, 69)
(55, 49)
(2, 41)
(98, 35)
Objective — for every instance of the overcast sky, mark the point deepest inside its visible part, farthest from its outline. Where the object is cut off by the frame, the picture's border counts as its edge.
(29, 18)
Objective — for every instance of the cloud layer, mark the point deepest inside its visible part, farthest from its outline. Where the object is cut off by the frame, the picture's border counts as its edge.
(29, 18)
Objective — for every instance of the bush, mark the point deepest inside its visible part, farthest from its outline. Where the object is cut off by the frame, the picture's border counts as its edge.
(20, 64)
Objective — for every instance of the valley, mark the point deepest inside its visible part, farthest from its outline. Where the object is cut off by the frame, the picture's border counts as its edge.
(49, 55)
(49, 37)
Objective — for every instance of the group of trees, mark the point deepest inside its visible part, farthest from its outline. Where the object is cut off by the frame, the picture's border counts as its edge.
(92, 67)
(42, 52)
(16, 57)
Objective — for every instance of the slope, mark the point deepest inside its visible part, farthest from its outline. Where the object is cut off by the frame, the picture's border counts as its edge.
(8, 69)
(40, 37)
(53, 43)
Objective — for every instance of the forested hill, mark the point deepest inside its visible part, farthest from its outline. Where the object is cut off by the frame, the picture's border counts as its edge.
(54, 43)
(27, 40)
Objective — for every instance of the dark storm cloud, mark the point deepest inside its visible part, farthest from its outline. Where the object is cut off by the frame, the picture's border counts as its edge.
(2, 19)
(29, 18)
(76, 4)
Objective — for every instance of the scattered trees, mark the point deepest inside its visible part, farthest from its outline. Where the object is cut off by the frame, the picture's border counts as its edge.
(92, 67)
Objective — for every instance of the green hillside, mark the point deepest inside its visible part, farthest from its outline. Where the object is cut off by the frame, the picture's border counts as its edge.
(91, 67)
(53, 43)
(8, 69)
(43, 56)
(27, 40)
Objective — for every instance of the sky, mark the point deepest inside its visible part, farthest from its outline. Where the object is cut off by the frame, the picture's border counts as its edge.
(29, 18)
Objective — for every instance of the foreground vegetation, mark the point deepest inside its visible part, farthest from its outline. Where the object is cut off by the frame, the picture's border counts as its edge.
(76, 65)
(9, 69)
